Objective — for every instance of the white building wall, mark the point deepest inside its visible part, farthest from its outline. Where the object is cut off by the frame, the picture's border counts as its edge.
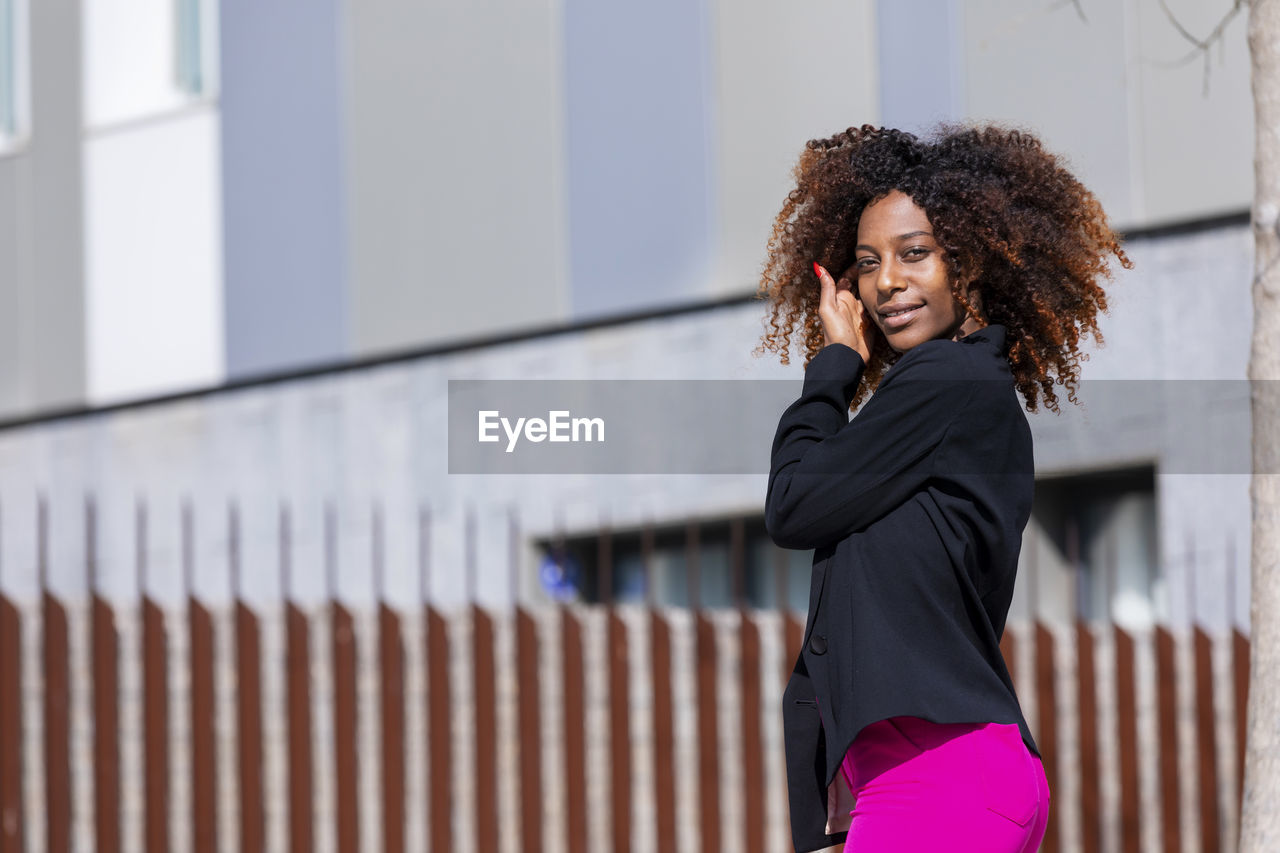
(153, 259)
(152, 200)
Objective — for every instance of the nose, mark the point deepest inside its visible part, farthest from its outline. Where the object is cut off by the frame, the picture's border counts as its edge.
(889, 278)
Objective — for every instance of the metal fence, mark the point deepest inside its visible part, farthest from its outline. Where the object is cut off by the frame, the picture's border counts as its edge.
(571, 727)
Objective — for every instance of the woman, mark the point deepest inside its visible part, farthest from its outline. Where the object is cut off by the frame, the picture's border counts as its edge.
(967, 271)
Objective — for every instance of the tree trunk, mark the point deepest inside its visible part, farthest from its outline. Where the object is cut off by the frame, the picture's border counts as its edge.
(1260, 822)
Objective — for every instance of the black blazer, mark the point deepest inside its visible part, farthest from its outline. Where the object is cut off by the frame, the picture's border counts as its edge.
(915, 510)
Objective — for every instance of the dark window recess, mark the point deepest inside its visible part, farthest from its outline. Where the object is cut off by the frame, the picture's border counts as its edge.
(1101, 527)
(690, 564)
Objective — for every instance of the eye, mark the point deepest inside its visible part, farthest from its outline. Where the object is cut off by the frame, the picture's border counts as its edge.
(917, 252)
(864, 264)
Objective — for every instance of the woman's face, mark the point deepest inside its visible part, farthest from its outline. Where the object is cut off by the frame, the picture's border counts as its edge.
(900, 269)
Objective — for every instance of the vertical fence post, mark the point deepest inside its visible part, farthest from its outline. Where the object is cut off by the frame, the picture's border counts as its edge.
(749, 675)
(663, 724)
(106, 747)
(248, 698)
(1206, 742)
(619, 701)
(484, 675)
(530, 702)
(343, 649)
(1086, 704)
(298, 696)
(708, 727)
(204, 762)
(439, 746)
(1127, 739)
(155, 710)
(1047, 736)
(391, 671)
(792, 627)
(1239, 675)
(57, 699)
(574, 727)
(11, 728)
(1167, 712)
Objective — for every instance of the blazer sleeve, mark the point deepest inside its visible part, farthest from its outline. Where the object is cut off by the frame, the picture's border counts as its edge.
(831, 476)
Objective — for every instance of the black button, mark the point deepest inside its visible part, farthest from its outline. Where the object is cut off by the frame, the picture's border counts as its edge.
(818, 644)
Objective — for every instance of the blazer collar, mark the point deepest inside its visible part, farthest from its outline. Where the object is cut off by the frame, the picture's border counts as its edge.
(993, 334)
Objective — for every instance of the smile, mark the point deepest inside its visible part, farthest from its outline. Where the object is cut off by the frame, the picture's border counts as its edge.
(901, 318)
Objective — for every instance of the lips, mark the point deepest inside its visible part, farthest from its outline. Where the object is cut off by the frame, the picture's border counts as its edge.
(901, 314)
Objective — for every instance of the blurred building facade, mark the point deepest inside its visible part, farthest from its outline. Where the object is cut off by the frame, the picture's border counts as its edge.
(299, 211)
(244, 248)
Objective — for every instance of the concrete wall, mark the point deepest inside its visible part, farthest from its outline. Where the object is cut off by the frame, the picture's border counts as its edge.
(42, 330)
(382, 435)
(1141, 130)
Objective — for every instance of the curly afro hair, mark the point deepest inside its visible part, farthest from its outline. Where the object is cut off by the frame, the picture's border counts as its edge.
(1014, 223)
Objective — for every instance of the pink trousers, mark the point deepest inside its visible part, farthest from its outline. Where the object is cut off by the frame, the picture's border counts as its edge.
(956, 787)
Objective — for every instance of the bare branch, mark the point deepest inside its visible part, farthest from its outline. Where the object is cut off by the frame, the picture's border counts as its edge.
(1202, 45)
(1074, 4)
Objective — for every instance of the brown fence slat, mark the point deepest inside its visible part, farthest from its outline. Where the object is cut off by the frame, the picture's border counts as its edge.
(346, 760)
(1206, 744)
(486, 757)
(1167, 715)
(249, 726)
(664, 781)
(155, 716)
(792, 638)
(1127, 738)
(106, 730)
(752, 747)
(619, 732)
(708, 733)
(1240, 675)
(105, 668)
(298, 704)
(1087, 709)
(1009, 651)
(1047, 735)
(204, 756)
(439, 746)
(574, 732)
(11, 817)
(391, 670)
(530, 703)
(57, 707)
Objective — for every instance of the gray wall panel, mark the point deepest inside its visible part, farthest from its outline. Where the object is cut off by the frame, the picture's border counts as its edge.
(41, 228)
(14, 272)
(284, 231)
(921, 62)
(1064, 78)
(641, 200)
(785, 73)
(455, 169)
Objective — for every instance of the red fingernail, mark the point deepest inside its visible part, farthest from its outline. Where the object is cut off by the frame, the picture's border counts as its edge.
(817, 270)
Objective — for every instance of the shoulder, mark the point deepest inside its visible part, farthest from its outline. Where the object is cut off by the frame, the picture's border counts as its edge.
(948, 374)
(938, 360)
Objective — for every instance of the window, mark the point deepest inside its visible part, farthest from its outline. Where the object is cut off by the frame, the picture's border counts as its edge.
(1096, 552)
(679, 565)
(14, 91)
(189, 65)
(147, 58)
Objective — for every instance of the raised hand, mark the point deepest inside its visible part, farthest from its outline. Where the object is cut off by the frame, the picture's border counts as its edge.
(844, 319)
